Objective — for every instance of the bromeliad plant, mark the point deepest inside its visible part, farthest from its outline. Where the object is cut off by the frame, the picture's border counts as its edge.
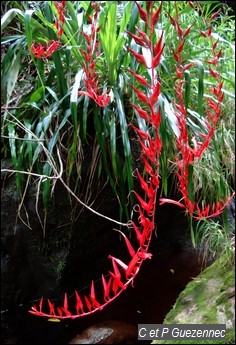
(148, 112)
(144, 61)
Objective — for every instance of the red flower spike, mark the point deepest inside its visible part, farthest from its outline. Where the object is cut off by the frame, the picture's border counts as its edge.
(128, 244)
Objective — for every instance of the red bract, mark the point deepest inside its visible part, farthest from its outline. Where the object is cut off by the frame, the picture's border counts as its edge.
(44, 51)
(139, 57)
(188, 154)
(61, 10)
(91, 76)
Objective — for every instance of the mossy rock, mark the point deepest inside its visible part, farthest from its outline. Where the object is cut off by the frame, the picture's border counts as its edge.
(207, 299)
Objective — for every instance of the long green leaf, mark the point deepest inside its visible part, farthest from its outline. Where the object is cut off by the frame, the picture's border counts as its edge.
(200, 87)
(13, 73)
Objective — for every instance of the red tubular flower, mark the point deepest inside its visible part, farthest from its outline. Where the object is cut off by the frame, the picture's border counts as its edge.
(40, 51)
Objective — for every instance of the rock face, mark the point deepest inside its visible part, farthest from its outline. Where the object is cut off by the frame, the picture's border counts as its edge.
(34, 265)
(31, 263)
(208, 299)
(108, 332)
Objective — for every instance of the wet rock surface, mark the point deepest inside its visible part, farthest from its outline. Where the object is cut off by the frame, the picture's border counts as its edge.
(208, 299)
(108, 332)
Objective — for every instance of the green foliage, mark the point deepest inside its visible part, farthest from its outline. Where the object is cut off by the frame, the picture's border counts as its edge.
(215, 240)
